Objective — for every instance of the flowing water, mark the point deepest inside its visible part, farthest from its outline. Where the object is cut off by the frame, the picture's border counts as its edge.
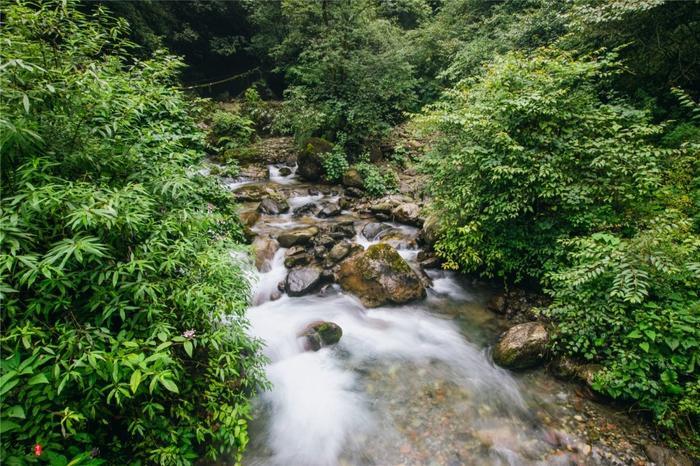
(411, 384)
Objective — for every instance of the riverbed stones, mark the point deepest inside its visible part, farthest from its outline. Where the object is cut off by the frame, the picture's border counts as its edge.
(249, 217)
(252, 193)
(522, 346)
(338, 252)
(296, 236)
(341, 230)
(310, 160)
(303, 280)
(320, 334)
(378, 276)
(296, 255)
(273, 205)
(285, 171)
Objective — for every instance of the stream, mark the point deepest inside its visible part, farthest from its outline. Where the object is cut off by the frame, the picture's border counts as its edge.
(407, 385)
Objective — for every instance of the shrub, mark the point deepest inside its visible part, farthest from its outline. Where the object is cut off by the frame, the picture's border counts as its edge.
(122, 309)
(530, 153)
(633, 305)
(335, 162)
(230, 130)
(374, 181)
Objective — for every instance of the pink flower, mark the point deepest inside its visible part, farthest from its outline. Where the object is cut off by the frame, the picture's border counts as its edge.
(38, 450)
(189, 334)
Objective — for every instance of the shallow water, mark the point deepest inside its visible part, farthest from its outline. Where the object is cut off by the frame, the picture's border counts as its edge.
(412, 384)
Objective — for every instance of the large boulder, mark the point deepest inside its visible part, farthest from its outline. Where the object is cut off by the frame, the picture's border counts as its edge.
(249, 217)
(318, 334)
(380, 276)
(522, 346)
(295, 236)
(408, 213)
(310, 159)
(353, 179)
(273, 205)
(303, 280)
(430, 230)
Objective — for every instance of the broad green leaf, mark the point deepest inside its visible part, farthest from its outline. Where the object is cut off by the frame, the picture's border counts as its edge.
(135, 380)
(38, 379)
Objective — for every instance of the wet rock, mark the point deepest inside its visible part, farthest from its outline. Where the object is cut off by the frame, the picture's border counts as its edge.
(343, 230)
(522, 346)
(432, 262)
(303, 280)
(384, 207)
(408, 213)
(249, 217)
(344, 203)
(665, 456)
(319, 334)
(295, 236)
(339, 252)
(310, 160)
(264, 249)
(255, 171)
(325, 240)
(273, 206)
(373, 229)
(568, 369)
(380, 276)
(307, 209)
(319, 252)
(330, 210)
(296, 255)
(285, 171)
(353, 179)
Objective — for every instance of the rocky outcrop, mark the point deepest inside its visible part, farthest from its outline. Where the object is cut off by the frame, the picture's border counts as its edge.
(303, 280)
(310, 160)
(522, 346)
(296, 236)
(319, 334)
(380, 276)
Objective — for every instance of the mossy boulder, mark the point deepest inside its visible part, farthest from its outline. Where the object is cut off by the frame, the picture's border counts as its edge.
(353, 179)
(319, 334)
(522, 346)
(380, 276)
(273, 205)
(310, 159)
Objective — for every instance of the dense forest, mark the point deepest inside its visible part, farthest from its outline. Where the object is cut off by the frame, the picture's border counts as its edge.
(558, 144)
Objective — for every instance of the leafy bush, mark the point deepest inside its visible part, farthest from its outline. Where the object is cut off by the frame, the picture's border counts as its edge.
(529, 154)
(231, 130)
(122, 309)
(335, 162)
(258, 111)
(634, 305)
(376, 182)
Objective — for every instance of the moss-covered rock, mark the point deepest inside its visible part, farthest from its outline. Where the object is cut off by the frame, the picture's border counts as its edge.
(380, 276)
(310, 159)
(319, 334)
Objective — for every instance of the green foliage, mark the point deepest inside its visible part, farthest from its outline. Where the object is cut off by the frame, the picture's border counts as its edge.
(634, 305)
(345, 65)
(122, 308)
(530, 153)
(335, 162)
(230, 130)
(375, 181)
(258, 111)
